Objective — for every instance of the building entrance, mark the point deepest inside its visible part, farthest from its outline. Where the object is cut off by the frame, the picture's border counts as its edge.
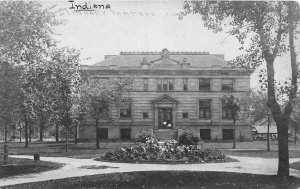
(165, 118)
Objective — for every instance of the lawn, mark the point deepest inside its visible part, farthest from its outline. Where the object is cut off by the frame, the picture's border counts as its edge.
(88, 149)
(16, 166)
(53, 149)
(295, 165)
(169, 179)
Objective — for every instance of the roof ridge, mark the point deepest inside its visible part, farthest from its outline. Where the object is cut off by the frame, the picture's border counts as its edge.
(158, 53)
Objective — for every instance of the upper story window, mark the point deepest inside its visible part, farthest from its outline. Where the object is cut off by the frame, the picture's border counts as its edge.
(185, 84)
(159, 84)
(126, 111)
(165, 84)
(227, 84)
(226, 112)
(204, 109)
(204, 84)
(145, 84)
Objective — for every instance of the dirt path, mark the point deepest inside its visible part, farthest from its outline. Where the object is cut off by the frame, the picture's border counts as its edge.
(82, 167)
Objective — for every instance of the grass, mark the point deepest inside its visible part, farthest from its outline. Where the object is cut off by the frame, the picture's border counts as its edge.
(169, 179)
(18, 166)
(295, 165)
(88, 149)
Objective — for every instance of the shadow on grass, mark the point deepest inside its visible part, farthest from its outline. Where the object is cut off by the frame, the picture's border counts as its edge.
(170, 179)
(17, 166)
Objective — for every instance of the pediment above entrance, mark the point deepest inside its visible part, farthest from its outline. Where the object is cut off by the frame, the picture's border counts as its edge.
(165, 99)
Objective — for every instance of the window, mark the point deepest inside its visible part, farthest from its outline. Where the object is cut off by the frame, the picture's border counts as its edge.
(171, 84)
(125, 134)
(226, 112)
(145, 115)
(227, 134)
(204, 109)
(185, 85)
(126, 111)
(185, 115)
(205, 134)
(159, 84)
(145, 84)
(227, 84)
(204, 84)
(165, 84)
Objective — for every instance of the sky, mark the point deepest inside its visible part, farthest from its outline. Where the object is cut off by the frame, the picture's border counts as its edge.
(143, 26)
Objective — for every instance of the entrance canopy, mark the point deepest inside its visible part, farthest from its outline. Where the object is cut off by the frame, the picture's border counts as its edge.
(165, 99)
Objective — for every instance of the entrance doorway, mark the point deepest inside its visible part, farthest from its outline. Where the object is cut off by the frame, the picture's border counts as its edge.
(165, 118)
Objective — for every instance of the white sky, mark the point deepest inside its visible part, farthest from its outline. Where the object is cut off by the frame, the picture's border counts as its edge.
(112, 31)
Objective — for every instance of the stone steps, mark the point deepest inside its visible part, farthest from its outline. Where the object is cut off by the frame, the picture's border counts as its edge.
(166, 134)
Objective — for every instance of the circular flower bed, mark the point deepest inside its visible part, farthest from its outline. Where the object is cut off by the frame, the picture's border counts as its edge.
(152, 152)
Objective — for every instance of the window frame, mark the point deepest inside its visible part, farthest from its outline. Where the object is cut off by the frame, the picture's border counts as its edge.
(145, 113)
(202, 86)
(208, 101)
(185, 84)
(130, 101)
(225, 85)
(165, 84)
(159, 84)
(226, 111)
(183, 115)
(145, 84)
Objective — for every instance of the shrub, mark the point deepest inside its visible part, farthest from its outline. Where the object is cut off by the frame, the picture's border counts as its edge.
(142, 136)
(150, 151)
(188, 138)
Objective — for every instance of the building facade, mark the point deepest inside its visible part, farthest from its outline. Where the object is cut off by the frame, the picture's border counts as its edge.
(173, 92)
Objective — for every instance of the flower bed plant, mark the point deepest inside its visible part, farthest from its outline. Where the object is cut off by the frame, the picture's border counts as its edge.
(152, 152)
(188, 138)
(142, 136)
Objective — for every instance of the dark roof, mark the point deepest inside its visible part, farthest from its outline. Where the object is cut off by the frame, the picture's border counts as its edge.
(134, 59)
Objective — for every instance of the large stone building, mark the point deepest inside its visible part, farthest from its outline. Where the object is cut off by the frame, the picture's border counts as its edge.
(173, 92)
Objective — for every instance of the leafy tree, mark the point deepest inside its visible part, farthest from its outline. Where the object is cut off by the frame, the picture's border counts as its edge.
(99, 98)
(232, 104)
(296, 117)
(25, 38)
(26, 31)
(255, 104)
(66, 80)
(268, 25)
(8, 95)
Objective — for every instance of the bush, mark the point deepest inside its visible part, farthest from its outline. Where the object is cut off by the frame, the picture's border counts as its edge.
(142, 136)
(150, 151)
(188, 138)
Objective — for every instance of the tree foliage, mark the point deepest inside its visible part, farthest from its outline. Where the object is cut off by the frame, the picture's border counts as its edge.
(100, 97)
(268, 26)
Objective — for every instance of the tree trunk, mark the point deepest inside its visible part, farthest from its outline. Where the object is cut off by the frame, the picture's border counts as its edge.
(20, 135)
(283, 148)
(268, 135)
(233, 134)
(56, 132)
(26, 134)
(97, 136)
(5, 132)
(41, 132)
(75, 133)
(67, 137)
(30, 131)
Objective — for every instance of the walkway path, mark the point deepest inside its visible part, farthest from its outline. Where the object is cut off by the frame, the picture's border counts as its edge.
(83, 167)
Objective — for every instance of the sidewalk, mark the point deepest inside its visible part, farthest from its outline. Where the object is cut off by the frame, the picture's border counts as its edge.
(82, 167)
